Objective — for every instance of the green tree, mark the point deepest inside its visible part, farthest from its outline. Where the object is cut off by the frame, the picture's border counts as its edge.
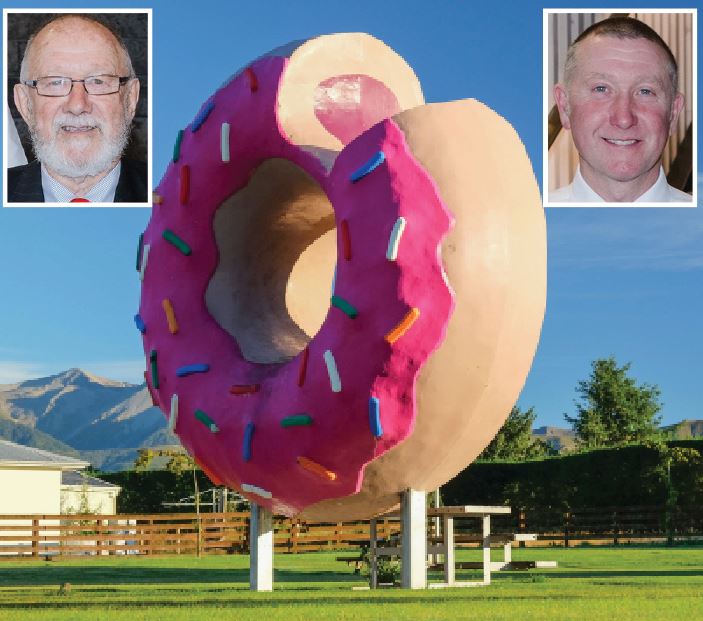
(613, 409)
(514, 441)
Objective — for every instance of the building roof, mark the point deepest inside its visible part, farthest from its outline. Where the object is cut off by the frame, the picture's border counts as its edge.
(20, 456)
(73, 477)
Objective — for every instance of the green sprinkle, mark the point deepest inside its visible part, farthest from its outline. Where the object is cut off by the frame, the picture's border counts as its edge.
(177, 146)
(297, 420)
(206, 420)
(172, 238)
(344, 306)
(154, 369)
(140, 249)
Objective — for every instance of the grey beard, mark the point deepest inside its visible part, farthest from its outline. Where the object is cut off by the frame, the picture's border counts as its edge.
(54, 159)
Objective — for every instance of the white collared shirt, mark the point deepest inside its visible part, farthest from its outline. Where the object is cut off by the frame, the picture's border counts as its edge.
(578, 191)
(102, 192)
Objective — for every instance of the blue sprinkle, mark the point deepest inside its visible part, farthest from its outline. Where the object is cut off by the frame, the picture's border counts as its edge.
(377, 159)
(141, 326)
(246, 444)
(375, 417)
(202, 116)
(192, 368)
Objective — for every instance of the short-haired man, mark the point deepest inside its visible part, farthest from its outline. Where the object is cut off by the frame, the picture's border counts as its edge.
(78, 95)
(621, 102)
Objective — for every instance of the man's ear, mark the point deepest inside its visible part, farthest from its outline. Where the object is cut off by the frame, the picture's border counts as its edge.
(21, 95)
(562, 100)
(132, 97)
(676, 107)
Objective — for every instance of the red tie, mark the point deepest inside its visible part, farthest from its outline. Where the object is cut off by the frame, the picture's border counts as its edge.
(79, 200)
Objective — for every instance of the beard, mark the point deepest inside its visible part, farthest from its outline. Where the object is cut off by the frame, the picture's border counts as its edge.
(80, 158)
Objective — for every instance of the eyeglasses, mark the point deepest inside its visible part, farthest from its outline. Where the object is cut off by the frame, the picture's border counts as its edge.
(57, 86)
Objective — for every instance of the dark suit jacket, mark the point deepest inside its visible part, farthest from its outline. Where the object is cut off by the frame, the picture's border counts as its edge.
(24, 183)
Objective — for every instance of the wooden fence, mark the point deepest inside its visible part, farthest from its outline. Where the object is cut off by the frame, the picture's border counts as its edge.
(46, 536)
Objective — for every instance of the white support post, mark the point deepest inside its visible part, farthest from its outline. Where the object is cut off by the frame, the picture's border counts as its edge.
(486, 549)
(373, 548)
(507, 553)
(261, 549)
(414, 516)
(449, 557)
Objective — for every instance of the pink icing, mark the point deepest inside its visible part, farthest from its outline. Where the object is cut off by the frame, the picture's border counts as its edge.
(383, 291)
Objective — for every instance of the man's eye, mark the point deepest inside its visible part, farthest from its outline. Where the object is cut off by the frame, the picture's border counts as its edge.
(646, 91)
(600, 89)
(97, 81)
(56, 82)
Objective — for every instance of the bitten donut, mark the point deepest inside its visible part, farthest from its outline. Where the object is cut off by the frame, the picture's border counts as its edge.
(342, 288)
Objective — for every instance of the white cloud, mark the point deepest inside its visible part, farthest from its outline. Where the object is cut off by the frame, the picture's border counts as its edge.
(131, 371)
(13, 371)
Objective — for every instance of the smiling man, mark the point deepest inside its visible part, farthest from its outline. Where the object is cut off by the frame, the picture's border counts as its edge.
(621, 102)
(78, 95)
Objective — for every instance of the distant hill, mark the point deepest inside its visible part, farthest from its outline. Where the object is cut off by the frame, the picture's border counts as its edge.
(104, 420)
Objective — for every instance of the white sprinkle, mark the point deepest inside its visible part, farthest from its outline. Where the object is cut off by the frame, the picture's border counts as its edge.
(145, 257)
(224, 142)
(174, 413)
(396, 234)
(335, 382)
(253, 489)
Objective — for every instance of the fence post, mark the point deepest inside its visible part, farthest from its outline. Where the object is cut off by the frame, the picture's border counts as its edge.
(522, 525)
(35, 537)
(567, 517)
(615, 527)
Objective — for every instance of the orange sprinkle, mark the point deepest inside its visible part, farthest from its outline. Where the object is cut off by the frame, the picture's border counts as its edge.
(170, 316)
(253, 81)
(244, 389)
(185, 184)
(346, 241)
(157, 199)
(303, 366)
(316, 468)
(409, 319)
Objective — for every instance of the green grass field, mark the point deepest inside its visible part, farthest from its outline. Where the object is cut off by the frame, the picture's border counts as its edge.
(623, 583)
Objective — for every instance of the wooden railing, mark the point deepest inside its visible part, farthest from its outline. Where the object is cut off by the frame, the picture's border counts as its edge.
(45, 536)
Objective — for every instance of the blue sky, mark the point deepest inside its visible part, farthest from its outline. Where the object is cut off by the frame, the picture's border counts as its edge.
(627, 283)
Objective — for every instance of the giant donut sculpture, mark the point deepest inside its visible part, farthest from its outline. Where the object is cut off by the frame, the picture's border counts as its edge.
(326, 399)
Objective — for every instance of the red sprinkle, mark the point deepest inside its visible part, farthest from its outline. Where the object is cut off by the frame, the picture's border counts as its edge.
(244, 389)
(346, 241)
(185, 184)
(253, 80)
(303, 366)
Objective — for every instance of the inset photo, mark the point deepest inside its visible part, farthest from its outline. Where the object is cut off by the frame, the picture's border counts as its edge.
(77, 116)
(620, 108)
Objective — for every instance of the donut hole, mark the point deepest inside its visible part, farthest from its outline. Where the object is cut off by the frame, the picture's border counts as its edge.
(277, 252)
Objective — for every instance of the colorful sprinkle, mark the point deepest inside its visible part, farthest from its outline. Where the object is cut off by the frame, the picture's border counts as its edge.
(297, 420)
(189, 369)
(344, 306)
(157, 199)
(145, 257)
(253, 80)
(334, 280)
(316, 468)
(346, 241)
(303, 368)
(202, 116)
(207, 421)
(409, 319)
(244, 389)
(246, 443)
(170, 316)
(394, 240)
(253, 489)
(375, 417)
(154, 369)
(177, 146)
(173, 418)
(172, 238)
(376, 160)
(140, 248)
(185, 184)
(139, 322)
(224, 142)
(335, 382)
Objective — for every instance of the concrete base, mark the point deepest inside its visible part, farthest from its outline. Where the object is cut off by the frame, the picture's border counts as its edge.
(261, 552)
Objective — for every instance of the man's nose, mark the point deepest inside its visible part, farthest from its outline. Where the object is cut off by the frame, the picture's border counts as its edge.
(78, 100)
(622, 112)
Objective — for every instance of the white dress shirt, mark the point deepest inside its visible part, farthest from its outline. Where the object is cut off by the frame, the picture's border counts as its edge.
(578, 191)
(102, 192)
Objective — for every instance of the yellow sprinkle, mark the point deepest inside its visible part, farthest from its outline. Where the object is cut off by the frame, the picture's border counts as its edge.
(316, 468)
(157, 199)
(170, 316)
(403, 326)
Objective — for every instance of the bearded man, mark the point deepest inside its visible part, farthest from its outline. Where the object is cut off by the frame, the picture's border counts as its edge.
(78, 95)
